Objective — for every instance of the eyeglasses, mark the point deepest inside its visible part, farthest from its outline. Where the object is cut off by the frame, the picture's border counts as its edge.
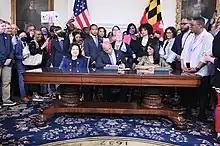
(183, 23)
(169, 32)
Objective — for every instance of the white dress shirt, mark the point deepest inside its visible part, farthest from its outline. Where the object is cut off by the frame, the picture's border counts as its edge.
(112, 57)
(165, 51)
(95, 39)
(195, 52)
(144, 41)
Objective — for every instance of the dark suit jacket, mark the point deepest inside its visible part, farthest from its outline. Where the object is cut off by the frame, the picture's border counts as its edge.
(90, 48)
(216, 54)
(6, 49)
(127, 54)
(67, 65)
(18, 56)
(57, 53)
(104, 59)
(177, 48)
(177, 45)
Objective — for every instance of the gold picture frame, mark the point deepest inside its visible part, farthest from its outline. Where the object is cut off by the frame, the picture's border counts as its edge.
(13, 9)
(179, 11)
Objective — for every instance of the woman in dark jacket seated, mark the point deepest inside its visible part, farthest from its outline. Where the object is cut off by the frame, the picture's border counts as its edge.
(75, 61)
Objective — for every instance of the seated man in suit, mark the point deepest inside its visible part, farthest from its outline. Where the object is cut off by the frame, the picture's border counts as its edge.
(111, 57)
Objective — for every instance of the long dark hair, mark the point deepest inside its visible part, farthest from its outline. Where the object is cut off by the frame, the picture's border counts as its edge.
(113, 29)
(105, 32)
(147, 27)
(172, 29)
(74, 35)
(48, 33)
(69, 52)
(155, 46)
(128, 28)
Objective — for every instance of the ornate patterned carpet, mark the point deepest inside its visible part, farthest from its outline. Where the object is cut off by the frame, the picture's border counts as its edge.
(17, 127)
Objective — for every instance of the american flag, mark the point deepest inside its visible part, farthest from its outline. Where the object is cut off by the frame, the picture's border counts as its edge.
(80, 11)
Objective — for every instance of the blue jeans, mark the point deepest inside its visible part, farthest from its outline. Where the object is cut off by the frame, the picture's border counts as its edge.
(21, 70)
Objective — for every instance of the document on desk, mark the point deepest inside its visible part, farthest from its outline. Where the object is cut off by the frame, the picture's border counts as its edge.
(111, 67)
(34, 70)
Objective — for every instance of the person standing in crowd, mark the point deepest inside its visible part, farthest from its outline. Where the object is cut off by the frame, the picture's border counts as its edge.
(6, 57)
(30, 29)
(158, 37)
(44, 30)
(86, 32)
(130, 34)
(124, 48)
(212, 21)
(92, 44)
(19, 47)
(141, 43)
(182, 41)
(165, 51)
(216, 27)
(102, 32)
(60, 47)
(77, 38)
(14, 33)
(14, 29)
(193, 62)
(112, 37)
(215, 59)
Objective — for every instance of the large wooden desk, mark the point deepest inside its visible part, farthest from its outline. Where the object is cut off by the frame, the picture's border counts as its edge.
(129, 78)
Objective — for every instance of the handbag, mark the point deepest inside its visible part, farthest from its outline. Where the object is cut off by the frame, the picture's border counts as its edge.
(31, 60)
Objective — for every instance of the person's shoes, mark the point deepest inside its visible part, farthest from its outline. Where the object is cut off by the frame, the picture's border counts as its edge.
(37, 97)
(51, 95)
(9, 103)
(25, 99)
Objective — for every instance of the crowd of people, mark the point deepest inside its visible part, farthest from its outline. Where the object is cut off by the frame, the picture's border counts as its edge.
(192, 50)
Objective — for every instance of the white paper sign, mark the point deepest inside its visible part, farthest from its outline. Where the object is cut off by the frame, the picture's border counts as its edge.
(49, 17)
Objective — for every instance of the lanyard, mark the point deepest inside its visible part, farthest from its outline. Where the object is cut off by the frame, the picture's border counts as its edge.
(185, 40)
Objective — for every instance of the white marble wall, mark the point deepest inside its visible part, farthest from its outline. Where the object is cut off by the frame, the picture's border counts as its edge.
(5, 10)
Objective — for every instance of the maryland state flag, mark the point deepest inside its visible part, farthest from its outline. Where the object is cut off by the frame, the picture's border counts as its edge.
(152, 15)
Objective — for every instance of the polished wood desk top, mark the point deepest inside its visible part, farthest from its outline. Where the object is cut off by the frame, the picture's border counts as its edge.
(109, 77)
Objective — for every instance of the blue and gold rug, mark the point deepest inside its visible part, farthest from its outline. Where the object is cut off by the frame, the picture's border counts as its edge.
(17, 127)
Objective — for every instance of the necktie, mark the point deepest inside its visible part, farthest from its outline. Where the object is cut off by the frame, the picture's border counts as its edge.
(111, 59)
(61, 44)
(96, 41)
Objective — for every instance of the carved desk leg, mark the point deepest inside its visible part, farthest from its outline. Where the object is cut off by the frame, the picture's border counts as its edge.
(179, 121)
(46, 114)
